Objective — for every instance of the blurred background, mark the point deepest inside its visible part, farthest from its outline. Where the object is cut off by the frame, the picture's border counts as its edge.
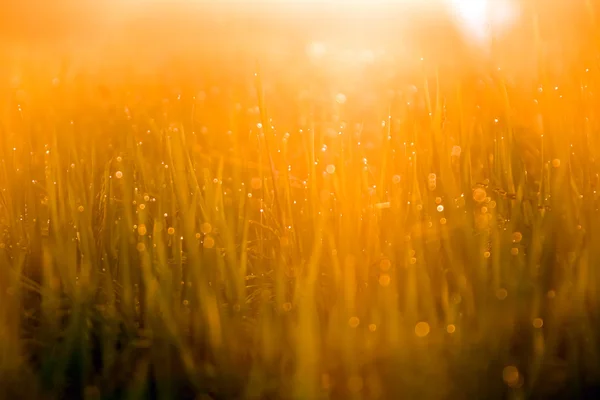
(364, 49)
(450, 34)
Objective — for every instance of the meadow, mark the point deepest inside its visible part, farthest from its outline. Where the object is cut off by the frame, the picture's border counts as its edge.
(185, 222)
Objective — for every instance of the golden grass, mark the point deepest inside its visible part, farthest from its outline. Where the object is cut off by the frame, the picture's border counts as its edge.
(244, 236)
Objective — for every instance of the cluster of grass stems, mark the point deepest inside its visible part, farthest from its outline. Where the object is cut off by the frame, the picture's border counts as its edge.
(144, 254)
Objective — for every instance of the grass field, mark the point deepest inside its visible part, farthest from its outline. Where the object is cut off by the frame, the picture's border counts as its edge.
(253, 229)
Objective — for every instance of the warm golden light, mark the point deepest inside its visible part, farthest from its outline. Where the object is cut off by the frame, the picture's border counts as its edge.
(479, 19)
(299, 199)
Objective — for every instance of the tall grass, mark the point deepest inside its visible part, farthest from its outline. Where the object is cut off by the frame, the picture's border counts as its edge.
(189, 248)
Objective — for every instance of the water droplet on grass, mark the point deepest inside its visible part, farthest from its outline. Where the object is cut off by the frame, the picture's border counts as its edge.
(142, 229)
(209, 242)
(206, 228)
(479, 195)
(384, 280)
(510, 375)
(422, 329)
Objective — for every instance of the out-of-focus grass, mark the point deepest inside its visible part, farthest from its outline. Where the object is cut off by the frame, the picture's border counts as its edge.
(175, 242)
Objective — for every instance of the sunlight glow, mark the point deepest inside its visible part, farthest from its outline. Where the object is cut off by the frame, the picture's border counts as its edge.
(480, 18)
(477, 19)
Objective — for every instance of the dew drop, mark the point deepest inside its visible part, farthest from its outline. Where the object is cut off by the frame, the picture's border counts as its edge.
(479, 195)
(501, 294)
(517, 237)
(510, 375)
(422, 329)
(209, 242)
(206, 228)
(384, 280)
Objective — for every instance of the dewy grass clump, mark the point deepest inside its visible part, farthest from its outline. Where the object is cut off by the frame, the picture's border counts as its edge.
(261, 233)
